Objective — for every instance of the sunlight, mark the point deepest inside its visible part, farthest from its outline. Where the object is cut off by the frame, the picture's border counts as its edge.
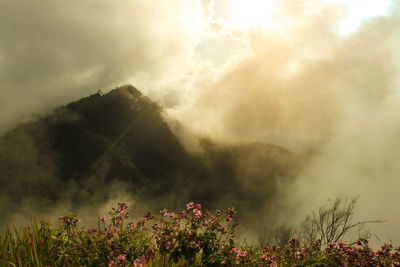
(359, 10)
(251, 13)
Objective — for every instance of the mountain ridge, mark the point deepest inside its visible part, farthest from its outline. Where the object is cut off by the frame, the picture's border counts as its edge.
(121, 136)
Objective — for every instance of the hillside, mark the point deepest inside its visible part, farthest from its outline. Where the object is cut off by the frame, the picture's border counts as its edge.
(79, 151)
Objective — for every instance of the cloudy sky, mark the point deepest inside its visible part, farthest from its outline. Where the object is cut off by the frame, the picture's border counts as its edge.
(308, 75)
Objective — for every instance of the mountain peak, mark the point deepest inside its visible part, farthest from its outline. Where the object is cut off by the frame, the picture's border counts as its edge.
(127, 90)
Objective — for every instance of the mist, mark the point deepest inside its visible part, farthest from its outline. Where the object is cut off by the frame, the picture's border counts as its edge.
(328, 97)
(52, 53)
(313, 90)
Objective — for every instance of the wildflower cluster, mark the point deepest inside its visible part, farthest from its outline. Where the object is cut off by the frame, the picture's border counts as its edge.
(190, 237)
(361, 254)
(332, 254)
(184, 234)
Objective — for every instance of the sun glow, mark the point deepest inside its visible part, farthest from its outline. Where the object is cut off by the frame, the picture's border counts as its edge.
(247, 14)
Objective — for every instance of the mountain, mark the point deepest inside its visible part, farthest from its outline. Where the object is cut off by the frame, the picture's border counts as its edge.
(80, 151)
(122, 128)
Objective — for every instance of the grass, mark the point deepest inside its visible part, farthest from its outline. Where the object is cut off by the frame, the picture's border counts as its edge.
(189, 237)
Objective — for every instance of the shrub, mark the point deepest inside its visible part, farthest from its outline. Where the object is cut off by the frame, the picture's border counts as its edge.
(189, 237)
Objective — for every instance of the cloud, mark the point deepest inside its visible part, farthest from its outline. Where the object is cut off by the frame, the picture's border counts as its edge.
(207, 8)
(299, 83)
(313, 90)
(53, 52)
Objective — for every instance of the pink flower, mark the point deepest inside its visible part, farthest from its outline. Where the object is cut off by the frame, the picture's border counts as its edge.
(121, 258)
(91, 230)
(240, 253)
(133, 226)
(77, 219)
(122, 207)
(190, 205)
(197, 213)
(168, 245)
(103, 218)
(229, 218)
(206, 223)
(140, 261)
(243, 253)
(111, 264)
(61, 218)
(170, 215)
(198, 206)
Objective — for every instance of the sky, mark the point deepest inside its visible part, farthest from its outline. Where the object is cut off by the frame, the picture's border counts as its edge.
(313, 76)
